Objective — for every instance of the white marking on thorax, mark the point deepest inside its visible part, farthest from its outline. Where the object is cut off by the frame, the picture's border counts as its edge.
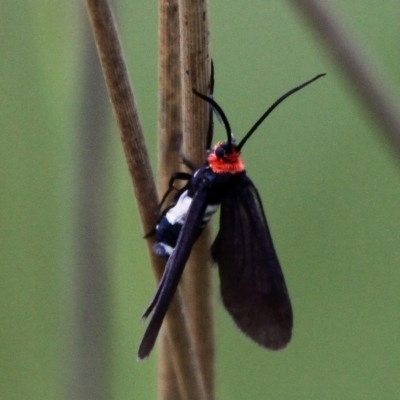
(178, 212)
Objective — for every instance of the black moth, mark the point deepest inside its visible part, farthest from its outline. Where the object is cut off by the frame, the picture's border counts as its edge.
(253, 288)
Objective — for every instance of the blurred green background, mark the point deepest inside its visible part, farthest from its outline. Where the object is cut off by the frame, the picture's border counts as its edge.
(330, 187)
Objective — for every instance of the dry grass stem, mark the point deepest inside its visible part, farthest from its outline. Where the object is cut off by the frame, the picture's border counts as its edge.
(125, 111)
(169, 132)
(364, 77)
(196, 63)
(169, 142)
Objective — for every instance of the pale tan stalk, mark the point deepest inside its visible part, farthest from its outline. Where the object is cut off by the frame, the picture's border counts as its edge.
(364, 77)
(196, 63)
(120, 91)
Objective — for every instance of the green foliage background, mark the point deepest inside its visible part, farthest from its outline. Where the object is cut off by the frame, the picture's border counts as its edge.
(330, 187)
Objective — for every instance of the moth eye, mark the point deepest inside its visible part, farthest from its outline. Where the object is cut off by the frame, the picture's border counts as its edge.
(219, 152)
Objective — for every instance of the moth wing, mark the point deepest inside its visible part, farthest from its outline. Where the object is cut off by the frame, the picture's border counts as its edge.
(252, 285)
(173, 270)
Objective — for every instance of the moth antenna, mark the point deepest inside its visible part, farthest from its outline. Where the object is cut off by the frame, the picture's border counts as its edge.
(274, 105)
(221, 114)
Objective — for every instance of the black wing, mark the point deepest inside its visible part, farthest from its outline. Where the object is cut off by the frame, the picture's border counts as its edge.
(253, 288)
(174, 268)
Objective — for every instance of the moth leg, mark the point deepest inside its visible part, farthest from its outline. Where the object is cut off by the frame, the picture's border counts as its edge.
(186, 162)
(177, 176)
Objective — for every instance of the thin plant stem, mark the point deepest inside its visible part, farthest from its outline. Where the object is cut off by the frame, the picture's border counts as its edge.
(197, 288)
(125, 111)
(364, 77)
(169, 141)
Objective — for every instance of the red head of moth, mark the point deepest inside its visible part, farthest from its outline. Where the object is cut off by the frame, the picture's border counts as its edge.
(225, 159)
